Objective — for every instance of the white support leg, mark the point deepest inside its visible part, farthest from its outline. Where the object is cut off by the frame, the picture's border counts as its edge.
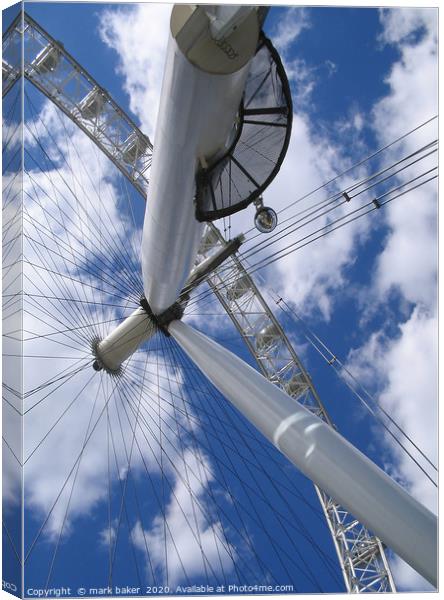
(201, 93)
(320, 453)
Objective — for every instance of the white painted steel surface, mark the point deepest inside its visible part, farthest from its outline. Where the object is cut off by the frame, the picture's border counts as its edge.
(124, 340)
(320, 453)
(196, 117)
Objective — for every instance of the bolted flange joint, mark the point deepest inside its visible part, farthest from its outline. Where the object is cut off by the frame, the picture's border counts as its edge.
(172, 313)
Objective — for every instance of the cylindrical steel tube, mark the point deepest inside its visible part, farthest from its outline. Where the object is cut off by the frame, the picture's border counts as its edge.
(201, 93)
(320, 452)
(124, 340)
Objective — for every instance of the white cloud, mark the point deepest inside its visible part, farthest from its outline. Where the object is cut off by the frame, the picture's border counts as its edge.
(107, 536)
(409, 259)
(402, 372)
(188, 535)
(290, 26)
(400, 24)
(139, 35)
(303, 76)
(410, 396)
(398, 369)
(303, 79)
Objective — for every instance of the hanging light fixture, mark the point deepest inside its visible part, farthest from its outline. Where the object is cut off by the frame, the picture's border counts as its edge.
(265, 219)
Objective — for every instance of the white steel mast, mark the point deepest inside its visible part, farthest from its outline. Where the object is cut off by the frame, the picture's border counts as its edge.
(202, 89)
(319, 452)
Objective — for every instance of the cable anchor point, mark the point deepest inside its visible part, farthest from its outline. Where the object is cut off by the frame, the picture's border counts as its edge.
(172, 313)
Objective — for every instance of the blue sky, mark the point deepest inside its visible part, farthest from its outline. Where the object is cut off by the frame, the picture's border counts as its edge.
(360, 78)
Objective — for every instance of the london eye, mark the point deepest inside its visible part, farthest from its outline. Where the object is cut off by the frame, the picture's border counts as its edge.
(178, 434)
